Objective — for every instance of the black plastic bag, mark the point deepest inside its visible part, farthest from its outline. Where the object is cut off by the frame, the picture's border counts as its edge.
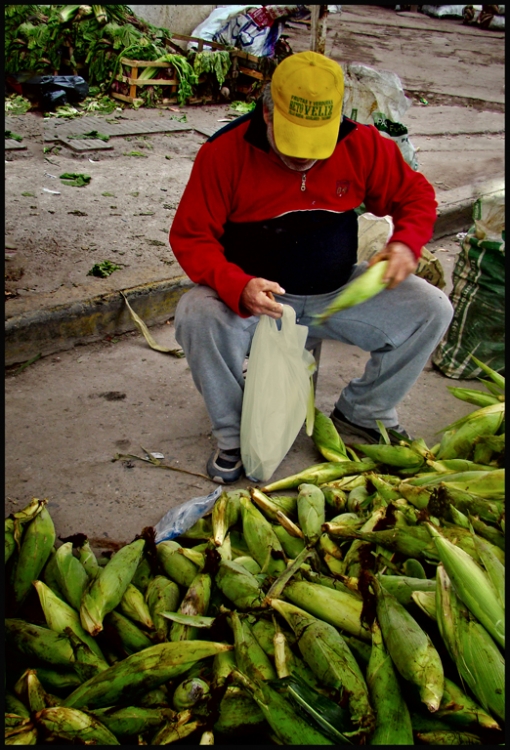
(55, 91)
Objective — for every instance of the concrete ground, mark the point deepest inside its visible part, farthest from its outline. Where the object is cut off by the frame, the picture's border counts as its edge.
(99, 390)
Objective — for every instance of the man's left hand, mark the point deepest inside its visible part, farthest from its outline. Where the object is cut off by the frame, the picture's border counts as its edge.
(401, 262)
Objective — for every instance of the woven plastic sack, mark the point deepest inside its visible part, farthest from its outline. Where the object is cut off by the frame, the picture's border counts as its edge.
(278, 394)
(478, 297)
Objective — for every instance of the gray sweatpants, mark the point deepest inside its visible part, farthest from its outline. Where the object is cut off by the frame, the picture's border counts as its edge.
(400, 328)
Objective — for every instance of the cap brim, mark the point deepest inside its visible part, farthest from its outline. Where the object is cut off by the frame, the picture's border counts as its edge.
(305, 142)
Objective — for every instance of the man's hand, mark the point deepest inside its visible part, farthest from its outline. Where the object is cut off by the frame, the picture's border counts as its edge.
(257, 298)
(401, 262)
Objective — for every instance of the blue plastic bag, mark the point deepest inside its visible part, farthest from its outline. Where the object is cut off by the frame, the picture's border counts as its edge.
(180, 519)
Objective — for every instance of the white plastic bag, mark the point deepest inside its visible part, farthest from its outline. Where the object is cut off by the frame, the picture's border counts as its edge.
(278, 394)
(368, 90)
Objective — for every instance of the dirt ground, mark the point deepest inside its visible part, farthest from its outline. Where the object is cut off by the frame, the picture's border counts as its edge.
(69, 415)
(124, 214)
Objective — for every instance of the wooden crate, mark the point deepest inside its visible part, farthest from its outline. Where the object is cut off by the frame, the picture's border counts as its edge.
(134, 82)
(248, 70)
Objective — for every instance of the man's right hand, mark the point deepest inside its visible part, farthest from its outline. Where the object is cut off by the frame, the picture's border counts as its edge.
(256, 298)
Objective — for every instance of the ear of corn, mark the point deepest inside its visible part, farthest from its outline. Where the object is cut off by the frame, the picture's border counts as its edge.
(37, 543)
(320, 474)
(494, 536)
(413, 654)
(393, 722)
(29, 689)
(134, 606)
(267, 505)
(472, 396)
(472, 585)
(161, 595)
(462, 712)
(493, 567)
(239, 585)
(195, 602)
(238, 711)
(479, 661)
(329, 657)
(327, 439)
(225, 513)
(59, 615)
(142, 672)
(459, 444)
(107, 589)
(311, 511)
(10, 543)
(71, 724)
(335, 498)
(39, 642)
(132, 720)
(88, 559)
(393, 455)
(403, 587)
(250, 656)
(343, 610)
(72, 578)
(361, 289)
(287, 724)
(496, 378)
(132, 638)
(262, 542)
(426, 601)
(177, 567)
(291, 544)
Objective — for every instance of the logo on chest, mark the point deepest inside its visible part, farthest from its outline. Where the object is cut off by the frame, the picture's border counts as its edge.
(342, 187)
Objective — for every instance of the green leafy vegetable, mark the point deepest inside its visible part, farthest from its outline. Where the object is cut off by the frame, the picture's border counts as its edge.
(103, 269)
(15, 104)
(243, 107)
(75, 179)
(217, 62)
(13, 136)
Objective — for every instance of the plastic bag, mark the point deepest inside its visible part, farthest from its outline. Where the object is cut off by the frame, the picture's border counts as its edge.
(374, 233)
(398, 133)
(278, 394)
(443, 11)
(368, 90)
(55, 91)
(180, 519)
(253, 28)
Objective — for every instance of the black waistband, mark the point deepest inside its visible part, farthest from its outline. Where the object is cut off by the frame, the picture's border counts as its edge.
(307, 252)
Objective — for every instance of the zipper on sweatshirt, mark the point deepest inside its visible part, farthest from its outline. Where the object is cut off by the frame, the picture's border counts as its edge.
(303, 182)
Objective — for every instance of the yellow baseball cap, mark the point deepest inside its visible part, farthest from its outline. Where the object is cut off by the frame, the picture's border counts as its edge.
(308, 91)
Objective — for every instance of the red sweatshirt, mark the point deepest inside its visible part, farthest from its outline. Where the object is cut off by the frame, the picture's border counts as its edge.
(244, 214)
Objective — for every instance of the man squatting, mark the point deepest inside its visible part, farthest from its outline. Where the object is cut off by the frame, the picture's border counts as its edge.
(268, 217)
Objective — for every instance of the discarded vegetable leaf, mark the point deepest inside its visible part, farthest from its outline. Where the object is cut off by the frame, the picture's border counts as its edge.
(13, 136)
(148, 337)
(75, 179)
(103, 269)
(243, 107)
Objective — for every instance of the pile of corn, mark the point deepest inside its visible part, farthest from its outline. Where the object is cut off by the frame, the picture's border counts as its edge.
(359, 601)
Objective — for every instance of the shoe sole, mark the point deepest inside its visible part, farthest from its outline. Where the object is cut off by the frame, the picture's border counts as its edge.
(351, 434)
(221, 480)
